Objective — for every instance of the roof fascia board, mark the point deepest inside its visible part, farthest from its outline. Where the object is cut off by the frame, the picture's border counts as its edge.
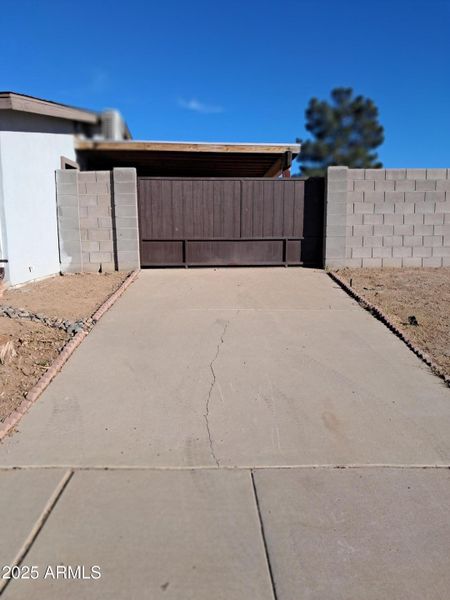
(34, 105)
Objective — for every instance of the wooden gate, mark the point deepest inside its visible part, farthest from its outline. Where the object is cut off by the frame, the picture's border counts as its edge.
(216, 221)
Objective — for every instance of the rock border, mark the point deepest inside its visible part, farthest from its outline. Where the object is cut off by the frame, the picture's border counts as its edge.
(70, 327)
(13, 419)
(381, 316)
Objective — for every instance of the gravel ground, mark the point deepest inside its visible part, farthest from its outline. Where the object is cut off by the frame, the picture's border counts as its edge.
(71, 298)
(36, 346)
(416, 300)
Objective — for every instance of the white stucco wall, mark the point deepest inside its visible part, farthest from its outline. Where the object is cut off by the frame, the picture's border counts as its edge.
(28, 231)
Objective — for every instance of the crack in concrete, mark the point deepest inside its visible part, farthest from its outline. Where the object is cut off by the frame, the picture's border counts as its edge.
(208, 400)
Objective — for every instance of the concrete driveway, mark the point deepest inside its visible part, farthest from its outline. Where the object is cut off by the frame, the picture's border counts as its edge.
(192, 448)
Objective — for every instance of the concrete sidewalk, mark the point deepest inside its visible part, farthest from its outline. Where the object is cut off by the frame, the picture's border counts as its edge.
(191, 448)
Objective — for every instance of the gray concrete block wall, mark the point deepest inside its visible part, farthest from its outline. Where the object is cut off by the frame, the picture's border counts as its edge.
(94, 197)
(336, 216)
(126, 218)
(92, 234)
(393, 218)
(68, 216)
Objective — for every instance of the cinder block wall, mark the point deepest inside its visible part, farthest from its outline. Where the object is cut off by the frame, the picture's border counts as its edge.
(94, 234)
(387, 218)
(125, 218)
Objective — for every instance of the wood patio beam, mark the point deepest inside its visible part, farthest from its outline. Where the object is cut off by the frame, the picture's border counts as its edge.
(187, 147)
(274, 169)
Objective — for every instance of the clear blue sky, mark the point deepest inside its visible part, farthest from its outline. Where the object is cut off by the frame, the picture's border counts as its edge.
(238, 70)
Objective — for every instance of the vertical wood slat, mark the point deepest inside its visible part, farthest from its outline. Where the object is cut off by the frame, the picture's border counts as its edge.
(288, 202)
(208, 208)
(246, 210)
(227, 210)
(197, 196)
(216, 201)
(299, 208)
(156, 208)
(278, 210)
(258, 208)
(268, 209)
(178, 209)
(188, 205)
(166, 209)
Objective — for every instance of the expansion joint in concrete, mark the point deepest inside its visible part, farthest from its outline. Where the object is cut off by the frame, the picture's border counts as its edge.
(263, 537)
(48, 508)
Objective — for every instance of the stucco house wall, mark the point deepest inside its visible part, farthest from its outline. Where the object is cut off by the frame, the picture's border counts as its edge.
(28, 228)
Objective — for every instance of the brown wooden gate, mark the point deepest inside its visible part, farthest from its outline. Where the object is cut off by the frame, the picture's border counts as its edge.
(216, 221)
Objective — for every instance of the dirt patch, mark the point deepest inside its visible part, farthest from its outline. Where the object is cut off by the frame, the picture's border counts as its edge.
(36, 345)
(416, 300)
(71, 297)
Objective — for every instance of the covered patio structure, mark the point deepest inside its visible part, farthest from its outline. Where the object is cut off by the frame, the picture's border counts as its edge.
(202, 203)
(188, 159)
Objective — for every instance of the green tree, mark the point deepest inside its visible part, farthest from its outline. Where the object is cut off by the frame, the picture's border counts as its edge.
(345, 131)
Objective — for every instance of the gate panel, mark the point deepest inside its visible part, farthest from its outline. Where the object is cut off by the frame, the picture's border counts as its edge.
(234, 252)
(162, 254)
(219, 221)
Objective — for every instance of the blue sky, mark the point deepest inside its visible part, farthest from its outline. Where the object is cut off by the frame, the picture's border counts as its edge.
(238, 70)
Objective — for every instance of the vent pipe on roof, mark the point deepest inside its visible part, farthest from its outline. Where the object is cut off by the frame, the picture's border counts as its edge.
(113, 125)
